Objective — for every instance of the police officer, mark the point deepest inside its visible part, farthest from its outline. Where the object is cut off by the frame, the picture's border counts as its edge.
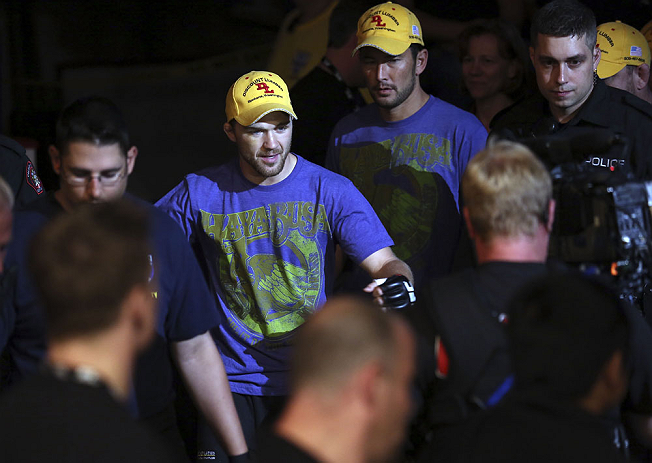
(572, 98)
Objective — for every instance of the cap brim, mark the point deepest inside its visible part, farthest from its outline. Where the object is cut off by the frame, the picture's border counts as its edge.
(389, 46)
(607, 69)
(255, 114)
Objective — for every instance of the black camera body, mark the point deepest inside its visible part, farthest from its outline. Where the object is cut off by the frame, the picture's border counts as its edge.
(603, 219)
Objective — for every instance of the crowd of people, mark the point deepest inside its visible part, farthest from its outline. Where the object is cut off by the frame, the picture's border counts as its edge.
(380, 290)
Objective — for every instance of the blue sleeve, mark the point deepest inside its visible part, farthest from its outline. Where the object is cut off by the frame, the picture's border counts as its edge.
(184, 294)
(26, 335)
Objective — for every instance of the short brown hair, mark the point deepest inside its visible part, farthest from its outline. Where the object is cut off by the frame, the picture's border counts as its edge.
(85, 263)
(507, 191)
(345, 335)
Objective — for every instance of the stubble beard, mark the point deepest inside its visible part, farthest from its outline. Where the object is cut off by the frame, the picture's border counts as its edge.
(269, 171)
(400, 97)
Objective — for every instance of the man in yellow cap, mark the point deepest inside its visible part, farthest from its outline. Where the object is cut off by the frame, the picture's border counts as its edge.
(407, 152)
(265, 226)
(625, 59)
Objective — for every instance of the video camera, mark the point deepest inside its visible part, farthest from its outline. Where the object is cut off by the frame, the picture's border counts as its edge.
(603, 219)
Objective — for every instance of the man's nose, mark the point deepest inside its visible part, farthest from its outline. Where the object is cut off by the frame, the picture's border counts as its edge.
(94, 187)
(270, 141)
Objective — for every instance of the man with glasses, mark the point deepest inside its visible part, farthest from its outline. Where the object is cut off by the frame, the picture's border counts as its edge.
(93, 158)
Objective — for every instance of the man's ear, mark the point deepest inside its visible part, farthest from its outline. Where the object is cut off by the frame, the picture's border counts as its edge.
(131, 159)
(532, 55)
(229, 131)
(551, 215)
(55, 159)
(597, 53)
(467, 220)
(140, 308)
(421, 61)
(641, 76)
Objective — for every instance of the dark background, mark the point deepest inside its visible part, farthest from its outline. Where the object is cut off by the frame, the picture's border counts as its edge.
(167, 64)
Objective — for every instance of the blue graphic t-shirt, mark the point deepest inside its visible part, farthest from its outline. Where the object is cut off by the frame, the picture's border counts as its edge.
(269, 255)
(410, 171)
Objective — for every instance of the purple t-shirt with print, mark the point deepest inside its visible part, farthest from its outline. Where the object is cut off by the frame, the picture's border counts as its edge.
(268, 253)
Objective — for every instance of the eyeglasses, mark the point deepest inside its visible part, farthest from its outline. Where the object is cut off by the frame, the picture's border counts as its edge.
(107, 178)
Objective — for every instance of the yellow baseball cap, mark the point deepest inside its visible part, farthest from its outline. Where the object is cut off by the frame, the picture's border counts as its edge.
(389, 27)
(620, 45)
(256, 94)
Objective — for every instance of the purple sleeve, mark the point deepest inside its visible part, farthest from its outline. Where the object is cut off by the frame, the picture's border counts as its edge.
(177, 204)
(356, 226)
(472, 141)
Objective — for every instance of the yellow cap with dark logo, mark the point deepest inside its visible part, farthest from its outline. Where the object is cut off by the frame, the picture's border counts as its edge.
(389, 27)
(620, 45)
(255, 95)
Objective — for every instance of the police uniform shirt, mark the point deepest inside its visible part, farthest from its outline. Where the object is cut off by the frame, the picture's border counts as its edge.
(19, 172)
(606, 108)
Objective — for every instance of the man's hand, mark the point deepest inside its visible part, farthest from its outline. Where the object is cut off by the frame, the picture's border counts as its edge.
(395, 292)
(384, 265)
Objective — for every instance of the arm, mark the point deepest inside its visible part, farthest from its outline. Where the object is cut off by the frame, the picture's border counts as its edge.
(383, 264)
(202, 369)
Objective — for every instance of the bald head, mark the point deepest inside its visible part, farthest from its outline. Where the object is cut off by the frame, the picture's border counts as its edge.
(344, 336)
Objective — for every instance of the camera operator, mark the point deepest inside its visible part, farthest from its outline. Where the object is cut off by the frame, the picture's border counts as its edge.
(573, 98)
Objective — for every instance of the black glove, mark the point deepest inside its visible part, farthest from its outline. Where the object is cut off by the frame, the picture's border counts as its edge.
(398, 292)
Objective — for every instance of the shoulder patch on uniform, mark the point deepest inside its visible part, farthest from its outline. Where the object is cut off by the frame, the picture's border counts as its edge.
(32, 178)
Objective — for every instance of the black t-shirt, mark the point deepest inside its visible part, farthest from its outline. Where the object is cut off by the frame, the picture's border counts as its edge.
(272, 448)
(530, 427)
(49, 419)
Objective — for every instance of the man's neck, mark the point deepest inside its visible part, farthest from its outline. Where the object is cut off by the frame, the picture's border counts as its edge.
(410, 106)
(111, 360)
(517, 249)
(61, 199)
(311, 427)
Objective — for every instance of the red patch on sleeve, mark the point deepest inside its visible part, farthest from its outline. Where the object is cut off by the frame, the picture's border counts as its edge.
(32, 178)
(441, 358)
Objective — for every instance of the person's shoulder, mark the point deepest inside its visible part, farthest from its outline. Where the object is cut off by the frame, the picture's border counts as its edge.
(321, 174)
(161, 224)
(213, 174)
(630, 102)
(450, 282)
(12, 149)
(209, 179)
(521, 116)
(444, 108)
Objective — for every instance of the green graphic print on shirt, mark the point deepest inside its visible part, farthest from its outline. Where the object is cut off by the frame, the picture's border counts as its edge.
(270, 265)
(399, 178)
